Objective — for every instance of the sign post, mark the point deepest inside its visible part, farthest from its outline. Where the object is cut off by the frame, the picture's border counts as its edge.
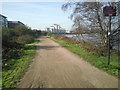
(109, 39)
(109, 11)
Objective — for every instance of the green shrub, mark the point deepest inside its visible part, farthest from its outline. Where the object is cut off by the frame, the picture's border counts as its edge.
(25, 39)
(13, 41)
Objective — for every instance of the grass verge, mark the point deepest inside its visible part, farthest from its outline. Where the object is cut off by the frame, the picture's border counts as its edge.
(98, 61)
(15, 68)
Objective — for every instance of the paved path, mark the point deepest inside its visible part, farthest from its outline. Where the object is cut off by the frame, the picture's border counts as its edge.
(56, 67)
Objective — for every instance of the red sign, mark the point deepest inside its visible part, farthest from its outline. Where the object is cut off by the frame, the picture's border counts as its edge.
(109, 10)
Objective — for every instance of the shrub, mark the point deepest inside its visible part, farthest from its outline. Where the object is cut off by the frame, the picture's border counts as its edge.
(24, 39)
(13, 41)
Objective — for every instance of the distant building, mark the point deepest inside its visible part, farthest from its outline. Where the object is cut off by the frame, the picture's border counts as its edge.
(13, 24)
(55, 29)
(47, 29)
(68, 31)
(56, 26)
(3, 21)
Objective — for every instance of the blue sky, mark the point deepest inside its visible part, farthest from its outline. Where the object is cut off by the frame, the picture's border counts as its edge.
(37, 15)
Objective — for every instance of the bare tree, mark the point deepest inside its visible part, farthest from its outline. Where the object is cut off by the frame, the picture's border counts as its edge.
(90, 14)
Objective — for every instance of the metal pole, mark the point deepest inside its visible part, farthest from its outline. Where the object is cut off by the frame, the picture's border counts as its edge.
(109, 34)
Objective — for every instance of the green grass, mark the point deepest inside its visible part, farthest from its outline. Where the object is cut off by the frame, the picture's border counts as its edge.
(15, 68)
(97, 61)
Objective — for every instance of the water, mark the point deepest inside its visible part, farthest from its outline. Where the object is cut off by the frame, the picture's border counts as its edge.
(92, 38)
